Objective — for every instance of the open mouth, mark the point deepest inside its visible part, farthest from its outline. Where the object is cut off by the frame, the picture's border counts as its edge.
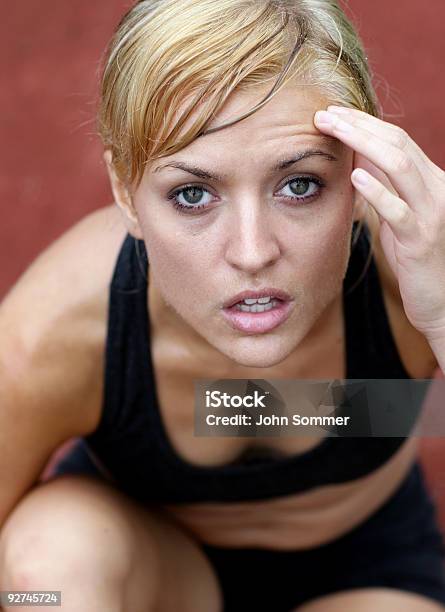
(258, 318)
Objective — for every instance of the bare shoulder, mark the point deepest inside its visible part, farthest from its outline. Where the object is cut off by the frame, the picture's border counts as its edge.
(415, 352)
(54, 318)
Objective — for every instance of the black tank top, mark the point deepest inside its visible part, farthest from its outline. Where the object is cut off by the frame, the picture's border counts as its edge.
(131, 442)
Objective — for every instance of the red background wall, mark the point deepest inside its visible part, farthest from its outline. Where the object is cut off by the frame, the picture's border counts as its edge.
(51, 170)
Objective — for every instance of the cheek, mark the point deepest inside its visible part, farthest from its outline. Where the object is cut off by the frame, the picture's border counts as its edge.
(325, 259)
(177, 269)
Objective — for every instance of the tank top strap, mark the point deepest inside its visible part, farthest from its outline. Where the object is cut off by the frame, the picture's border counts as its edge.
(130, 272)
(370, 344)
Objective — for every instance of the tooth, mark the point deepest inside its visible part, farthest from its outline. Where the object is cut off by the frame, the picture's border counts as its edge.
(264, 300)
(257, 307)
(250, 301)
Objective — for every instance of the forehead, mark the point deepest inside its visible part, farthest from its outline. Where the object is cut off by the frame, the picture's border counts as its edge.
(294, 104)
(284, 121)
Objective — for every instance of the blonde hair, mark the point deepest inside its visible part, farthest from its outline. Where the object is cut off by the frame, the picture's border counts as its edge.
(192, 54)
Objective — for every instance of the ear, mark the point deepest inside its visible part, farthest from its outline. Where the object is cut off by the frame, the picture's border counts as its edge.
(123, 199)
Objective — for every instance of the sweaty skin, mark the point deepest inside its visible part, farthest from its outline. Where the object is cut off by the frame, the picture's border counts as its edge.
(249, 237)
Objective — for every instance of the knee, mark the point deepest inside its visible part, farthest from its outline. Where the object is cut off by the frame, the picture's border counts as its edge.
(62, 532)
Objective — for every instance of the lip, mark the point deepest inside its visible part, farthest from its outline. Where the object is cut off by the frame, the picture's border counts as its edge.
(254, 323)
(250, 294)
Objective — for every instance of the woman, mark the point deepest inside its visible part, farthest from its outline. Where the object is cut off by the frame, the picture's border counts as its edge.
(135, 303)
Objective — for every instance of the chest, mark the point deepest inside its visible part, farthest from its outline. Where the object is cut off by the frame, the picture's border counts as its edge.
(176, 399)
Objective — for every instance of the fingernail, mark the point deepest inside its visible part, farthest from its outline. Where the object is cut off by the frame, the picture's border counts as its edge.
(325, 117)
(360, 177)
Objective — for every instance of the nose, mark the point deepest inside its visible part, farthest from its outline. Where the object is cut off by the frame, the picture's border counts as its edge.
(252, 244)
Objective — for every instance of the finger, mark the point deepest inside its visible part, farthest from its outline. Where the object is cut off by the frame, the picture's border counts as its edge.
(360, 161)
(397, 164)
(384, 129)
(388, 206)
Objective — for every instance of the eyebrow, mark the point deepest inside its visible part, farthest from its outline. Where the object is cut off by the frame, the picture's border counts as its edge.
(281, 165)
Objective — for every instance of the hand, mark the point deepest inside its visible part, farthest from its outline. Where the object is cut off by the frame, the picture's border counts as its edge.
(407, 191)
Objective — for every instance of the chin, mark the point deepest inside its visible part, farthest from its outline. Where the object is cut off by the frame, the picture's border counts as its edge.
(258, 362)
(250, 354)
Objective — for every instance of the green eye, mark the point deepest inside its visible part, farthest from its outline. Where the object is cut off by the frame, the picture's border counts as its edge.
(302, 188)
(193, 194)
